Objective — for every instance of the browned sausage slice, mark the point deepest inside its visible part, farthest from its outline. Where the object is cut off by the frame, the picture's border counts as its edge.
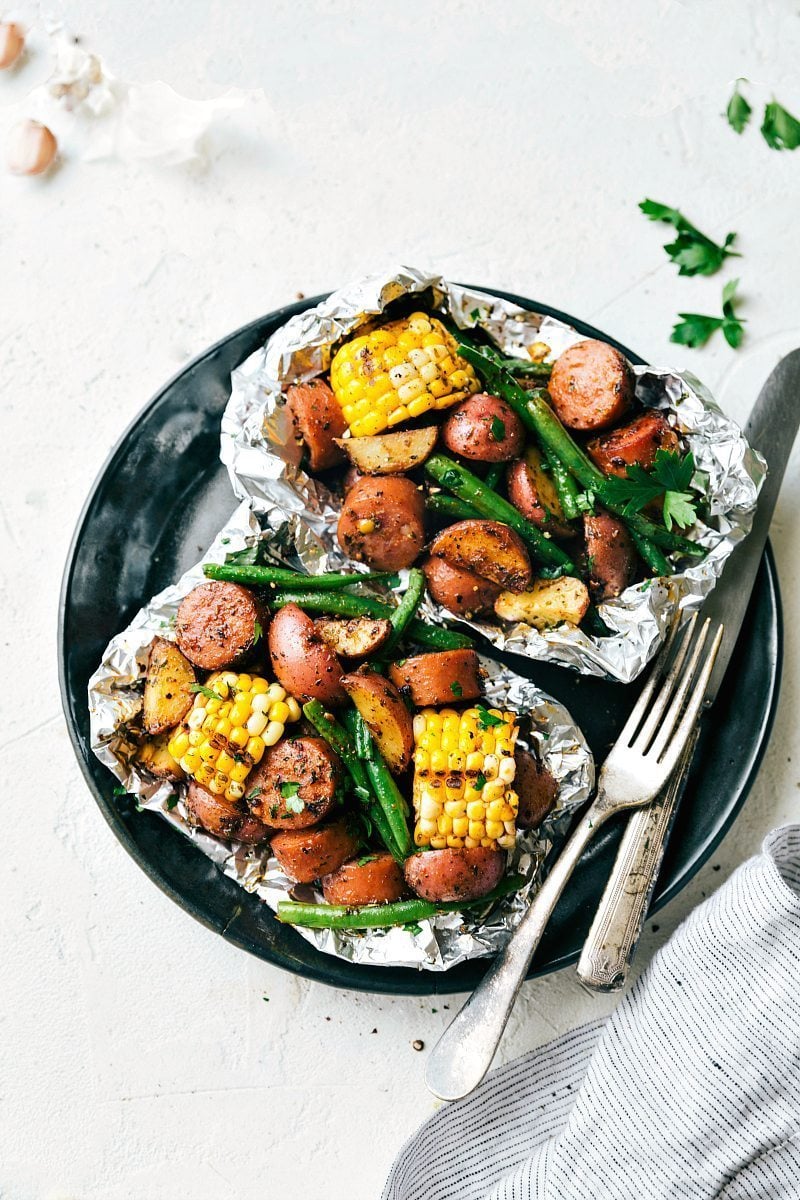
(294, 785)
(465, 874)
(444, 677)
(308, 854)
(317, 420)
(485, 428)
(463, 592)
(637, 442)
(217, 625)
(382, 522)
(376, 879)
(611, 553)
(223, 818)
(536, 788)
(591, 386)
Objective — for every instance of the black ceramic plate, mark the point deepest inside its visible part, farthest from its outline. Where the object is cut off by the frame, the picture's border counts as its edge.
(158, 503)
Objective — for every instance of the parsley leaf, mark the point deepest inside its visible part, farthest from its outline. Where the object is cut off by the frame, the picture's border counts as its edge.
(670, 477)
(480, 781)
(244, 558)
(367, 858)
(692, 252)
(258, 632)
(781, 131)
(738, 111)
(172, 802)
(253, 794)
(487, 719)
(456, 688)
(694, 329)
(414, 929)
(209, 693)
(498, 429)
(294, 804)
(678, 508)
(289, 789)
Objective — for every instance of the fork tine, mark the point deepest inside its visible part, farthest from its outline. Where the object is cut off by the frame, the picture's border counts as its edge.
(661, 701)
(673, 751)
(673, 713)
(640, 708)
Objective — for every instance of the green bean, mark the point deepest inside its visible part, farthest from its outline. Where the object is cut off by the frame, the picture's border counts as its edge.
(405, 609)
(344, 604)
(530, 370)
(658, 563)
(594, 624)
(381, 916)
(451, 506)
(494, 475)
(536, 413)
(467, 486)
(262, 576)
(566, 487)
(385, 789)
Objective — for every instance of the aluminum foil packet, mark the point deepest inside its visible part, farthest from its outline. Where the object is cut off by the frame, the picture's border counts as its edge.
(263, 461)
(115, 704)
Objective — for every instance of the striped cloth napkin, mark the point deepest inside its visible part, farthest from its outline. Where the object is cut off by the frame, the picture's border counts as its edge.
(690, 1090)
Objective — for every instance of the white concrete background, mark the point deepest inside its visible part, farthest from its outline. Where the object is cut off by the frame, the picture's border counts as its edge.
(141, 1057)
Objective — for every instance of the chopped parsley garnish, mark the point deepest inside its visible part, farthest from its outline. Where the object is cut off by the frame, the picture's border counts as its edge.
(413, 928)
(498, 429)
(480, 781)
(780, 130)
(367, 858)
(738, 111)
(258, 632)
(694, 329)
(208, 692)
(244, 558)
(294, 804)
(172, 802)
(475, 314)
(119, 790)
(670, 478)
(253, 794)
(289, 789)
(487, 719)
(456, 688)
(692, 252)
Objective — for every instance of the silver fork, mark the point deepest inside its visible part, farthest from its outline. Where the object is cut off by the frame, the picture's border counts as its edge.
(639, 765)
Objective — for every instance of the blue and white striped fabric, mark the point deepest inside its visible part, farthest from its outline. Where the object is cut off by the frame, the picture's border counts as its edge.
(690, 1090)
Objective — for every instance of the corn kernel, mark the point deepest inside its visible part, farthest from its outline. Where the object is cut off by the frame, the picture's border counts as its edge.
(255, 748)
(239, 772)
(294, 708)
(259, 687)
(272, 734)
(280, 712)
(179, 745)
(224, 762)
(256, 723)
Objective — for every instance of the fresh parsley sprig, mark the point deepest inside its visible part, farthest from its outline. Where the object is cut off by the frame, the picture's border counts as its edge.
(694, 329)
(692, 252)
(739, 110)
(668, 481)
(780, 130)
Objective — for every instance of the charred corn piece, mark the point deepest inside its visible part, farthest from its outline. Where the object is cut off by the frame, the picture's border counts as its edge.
(231, 723)
(398, 371)
(463, 775)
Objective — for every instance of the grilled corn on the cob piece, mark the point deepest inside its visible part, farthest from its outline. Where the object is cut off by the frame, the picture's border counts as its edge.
(401, 370)
(228, 728)
(463, 771)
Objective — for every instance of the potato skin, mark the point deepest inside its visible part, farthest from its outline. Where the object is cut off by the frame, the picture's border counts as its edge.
(317, 420)
(443, 677)
(396, 508)
(216, 625)
(611, 553)
(167, 687)
(222, 817)
(636, 442)
(536, 788)
(465, 874)
(307, 762)
(591, 386)
(463, 592)
(484, 428)
(488, 548)
(302, 660)
(379, 881)
(308, 854)
(525, 493)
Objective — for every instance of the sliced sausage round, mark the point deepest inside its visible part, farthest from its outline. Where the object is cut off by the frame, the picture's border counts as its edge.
(536, 788)
(375, 879)
(465, 874)
(637, 443)
(308, 854)
(294, 786)
(485, 428)
(443, 677)
(317, 419)
(611, 554)
(591, 386)
(524, 494)
(224, 818)
(463, 592)
(217, 624)
(382, 522)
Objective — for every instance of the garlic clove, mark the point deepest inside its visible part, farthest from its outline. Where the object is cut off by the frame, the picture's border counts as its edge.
(31, 148)
(12, 43)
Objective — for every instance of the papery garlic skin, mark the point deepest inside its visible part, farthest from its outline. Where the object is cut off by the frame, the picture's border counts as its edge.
(31, 148)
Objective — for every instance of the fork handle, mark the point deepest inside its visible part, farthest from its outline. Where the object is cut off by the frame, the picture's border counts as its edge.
(464, 1052)
(617, 926)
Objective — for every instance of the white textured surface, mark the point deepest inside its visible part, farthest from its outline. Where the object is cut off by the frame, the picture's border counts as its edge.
(139, 1059)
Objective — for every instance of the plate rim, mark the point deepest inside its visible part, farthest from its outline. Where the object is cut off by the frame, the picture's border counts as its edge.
(416, 982)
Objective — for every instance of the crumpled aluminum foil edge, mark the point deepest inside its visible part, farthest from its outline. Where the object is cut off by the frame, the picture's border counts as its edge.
(115, 704)
(263, 462)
